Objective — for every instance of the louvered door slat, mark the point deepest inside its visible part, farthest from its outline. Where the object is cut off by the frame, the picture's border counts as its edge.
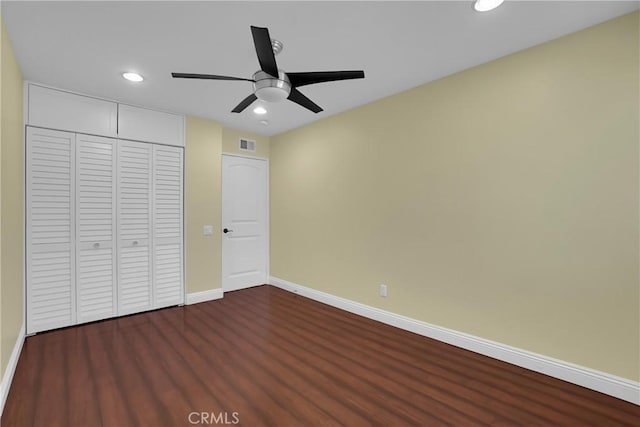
(50, 235)
(167, 226)
(134, 227)
(96, 227)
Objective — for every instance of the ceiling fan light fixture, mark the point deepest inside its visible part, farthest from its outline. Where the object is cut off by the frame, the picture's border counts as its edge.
(133, 77)
(260, 110)
(486, 5)
(272, 94)
(270, 89)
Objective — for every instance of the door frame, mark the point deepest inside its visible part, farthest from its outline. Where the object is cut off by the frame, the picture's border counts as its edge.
(267, 215)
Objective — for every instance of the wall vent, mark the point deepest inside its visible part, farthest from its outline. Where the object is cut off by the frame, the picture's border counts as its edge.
(247, 144)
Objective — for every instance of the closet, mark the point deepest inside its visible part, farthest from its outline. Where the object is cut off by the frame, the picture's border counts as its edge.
(104, 214)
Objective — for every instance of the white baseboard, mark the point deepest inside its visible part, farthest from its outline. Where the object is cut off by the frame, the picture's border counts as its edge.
(7, 378)
(196, 297)
(595, 380)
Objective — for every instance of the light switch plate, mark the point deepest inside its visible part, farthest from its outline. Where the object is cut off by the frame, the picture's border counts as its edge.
(208, 230)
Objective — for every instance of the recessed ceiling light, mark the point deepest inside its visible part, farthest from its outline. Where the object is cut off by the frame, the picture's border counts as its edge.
(260, 110)
(486, 5)
(133, 77)
(264, 122)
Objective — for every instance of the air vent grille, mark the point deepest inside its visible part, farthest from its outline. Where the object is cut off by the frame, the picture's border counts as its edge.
(247, 144)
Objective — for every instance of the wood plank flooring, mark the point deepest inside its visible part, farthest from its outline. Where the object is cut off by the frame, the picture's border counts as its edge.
(266, 357)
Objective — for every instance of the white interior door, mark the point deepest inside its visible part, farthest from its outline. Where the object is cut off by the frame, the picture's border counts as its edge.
(50, 230)
(95, 227)
(134, 227)
(167, 226)
(245, 186)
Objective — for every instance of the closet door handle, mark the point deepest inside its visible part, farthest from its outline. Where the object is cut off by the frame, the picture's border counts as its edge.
(96, 245)
(135, 243)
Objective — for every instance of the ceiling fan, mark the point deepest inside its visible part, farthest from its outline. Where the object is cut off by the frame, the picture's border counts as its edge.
(272, 84)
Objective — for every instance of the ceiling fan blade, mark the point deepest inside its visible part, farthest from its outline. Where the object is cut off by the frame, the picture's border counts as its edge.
(301, 79)
(264, 50)
(296, 96)
(206, 76)
(244, 103)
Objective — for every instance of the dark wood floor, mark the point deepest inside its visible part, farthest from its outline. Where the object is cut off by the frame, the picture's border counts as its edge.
(263, 356)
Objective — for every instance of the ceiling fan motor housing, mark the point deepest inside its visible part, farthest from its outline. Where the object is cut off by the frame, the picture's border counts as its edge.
(268, 88)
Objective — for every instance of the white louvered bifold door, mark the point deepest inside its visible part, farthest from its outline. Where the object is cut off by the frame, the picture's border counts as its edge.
(95, 228)
(167, 226)
(134, 227)
(50, 233)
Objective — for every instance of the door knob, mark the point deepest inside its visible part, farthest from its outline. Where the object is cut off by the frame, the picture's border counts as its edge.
(96, 245)
(226, 230)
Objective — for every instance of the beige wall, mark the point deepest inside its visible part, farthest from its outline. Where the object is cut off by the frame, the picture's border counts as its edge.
(11, 188)
(501, 201)
(230, 138)
(203, 184)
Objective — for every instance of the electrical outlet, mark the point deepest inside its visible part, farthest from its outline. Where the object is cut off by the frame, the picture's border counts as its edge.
(383, 290)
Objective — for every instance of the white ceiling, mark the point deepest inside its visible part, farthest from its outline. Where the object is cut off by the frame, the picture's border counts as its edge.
(85, 46)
